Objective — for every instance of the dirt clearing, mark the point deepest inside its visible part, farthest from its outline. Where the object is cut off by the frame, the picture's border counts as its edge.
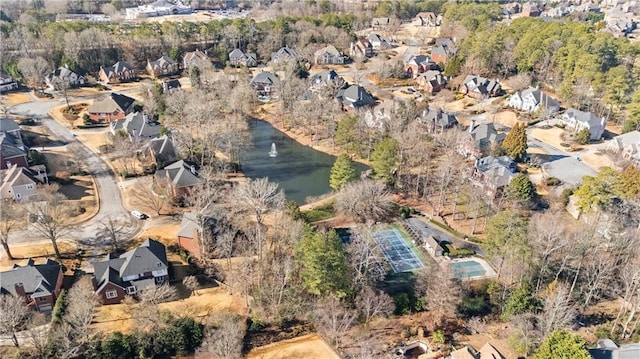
(15, 98)
(309, 346)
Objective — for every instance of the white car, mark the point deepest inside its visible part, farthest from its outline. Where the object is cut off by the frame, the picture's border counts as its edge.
(138, 214)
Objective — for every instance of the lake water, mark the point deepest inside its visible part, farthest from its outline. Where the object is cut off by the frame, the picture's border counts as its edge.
(300, 170)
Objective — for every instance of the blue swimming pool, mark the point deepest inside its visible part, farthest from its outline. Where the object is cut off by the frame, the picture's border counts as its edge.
(468, 269)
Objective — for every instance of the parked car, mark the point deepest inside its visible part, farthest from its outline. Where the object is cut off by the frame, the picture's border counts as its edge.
(411, 90)
(138, 214)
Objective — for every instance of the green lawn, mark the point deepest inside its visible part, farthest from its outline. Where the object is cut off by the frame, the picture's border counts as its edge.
(320, 213)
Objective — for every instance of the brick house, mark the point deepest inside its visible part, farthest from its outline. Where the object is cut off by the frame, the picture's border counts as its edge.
(132, 271)
(432, 81)
(418, 64)
(179, 178)
(443, 50)
(361, 49)
(111, 107)
(38, 284)
(63, 77)
(195, 58)
(266, 84)
(239, 58)
(12, 148)
(164, 66)
(480, 140)
(480, 87)
(492, 174)
(119, 72)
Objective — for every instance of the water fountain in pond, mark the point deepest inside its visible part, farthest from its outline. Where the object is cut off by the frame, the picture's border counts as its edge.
(273, 152)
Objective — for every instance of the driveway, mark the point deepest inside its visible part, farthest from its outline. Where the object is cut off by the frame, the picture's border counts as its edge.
(557, 163)
(109, 193)
(428, 229)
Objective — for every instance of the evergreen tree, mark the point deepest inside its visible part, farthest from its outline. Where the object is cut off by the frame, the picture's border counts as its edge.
(562, 344)
(599, 190)
(634, 113)
(347, 136)
(384, 159)
(323, 262)
(583, 137)
(521, 190)
(342, 172)
(629, 186)
(515, 144)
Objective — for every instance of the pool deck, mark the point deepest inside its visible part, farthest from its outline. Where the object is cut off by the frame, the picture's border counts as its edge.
(488, 271)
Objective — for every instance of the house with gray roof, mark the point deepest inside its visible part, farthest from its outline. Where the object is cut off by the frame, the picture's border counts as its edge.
(239, 58)
(361, 49)
(427, 19)
(492, 174)
(266, 84)
(118, 72)
(480, 140)
(195, 58)
(432, 81)
(138, 126)
(443, 50)
(64, 77)
(437, 120)
(355, 97)
(383, 23)
(628, 146)
(161, 151)
(178, 178)
(533, 99)
(12, 148)
(110, 107)
(480, 87)
(607, 349)
(414, 65)
(38, 284)
(20, 183)
(329, 55)
(7, 83)
(577, 120)
(283, 55)
(164, 66)
(133, 271)
(379, 42)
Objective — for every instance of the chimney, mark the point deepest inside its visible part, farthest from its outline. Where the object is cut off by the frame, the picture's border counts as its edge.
(472, 125)
(193, 169)
(20, 290)
(603, 122)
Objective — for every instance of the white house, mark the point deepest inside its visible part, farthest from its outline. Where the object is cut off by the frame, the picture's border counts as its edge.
(532, 99)
(628, 145)
(578, 120)
(379, 42)
(432, 246)
(157, 8)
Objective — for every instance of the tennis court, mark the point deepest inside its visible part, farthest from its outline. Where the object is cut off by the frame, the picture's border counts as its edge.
(468, 269)
(398, 253)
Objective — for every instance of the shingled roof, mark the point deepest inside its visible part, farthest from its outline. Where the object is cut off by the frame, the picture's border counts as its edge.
(37, 279)
(111, 103)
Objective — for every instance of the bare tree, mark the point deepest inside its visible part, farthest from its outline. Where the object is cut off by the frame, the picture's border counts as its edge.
(366, 258)
(365, 201)
(441, 291)
(50, 214)
(114, 231)
(476, 325)
(146, 193)
(333, 319)
(157, 294)
(224, 340)
(559, 312)
(81, 306)
(13, 315)
(34, 71)
(11, 215)
(372, 303)
(191, 282)
(549, 240)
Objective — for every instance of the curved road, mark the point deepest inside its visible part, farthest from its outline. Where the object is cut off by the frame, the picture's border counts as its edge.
(109, 193)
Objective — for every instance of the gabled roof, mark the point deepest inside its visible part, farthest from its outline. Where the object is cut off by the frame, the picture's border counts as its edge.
(378, 38)
(488, 351)
(138, 124)
(150, 256)
(463, 353)
(19, 176)
(480, 84)
(63, 73)
(5, 78)
(438, 117)
(188, 226)
(195, 56)
(325, 76)
(37, 279)
(628, 139)
(418, 60)
(181, 174)
(163, 61)
(111, 103)
(163, 150)
(267, 78)
(585, 117)
(486, 132)
(497, 170)
(118, 67)
(7, 125)
(356, 96)
(538, 96)
(236, 54)
(284, 52)
(329, 49)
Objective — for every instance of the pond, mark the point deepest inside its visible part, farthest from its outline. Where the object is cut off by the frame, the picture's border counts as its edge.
(300, 170)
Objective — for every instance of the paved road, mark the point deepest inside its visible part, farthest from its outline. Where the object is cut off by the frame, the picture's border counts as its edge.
(109, 193)
(558, 163)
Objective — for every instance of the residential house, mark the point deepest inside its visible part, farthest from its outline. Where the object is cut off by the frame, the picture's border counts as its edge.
(285, 54)
(12, 149)
(492, 174)
(628, 146)
(138, 126)
(361, 49)
(160, 150)
(355, 97)
(437, 120)
(38, 284)
(7, 83)
(578, 120)
(383, 23)
(607, 349)
(480, 87)
(195, 58)
(238, 58)
(196, 230)
(63, 77)
(432, 246)
(20, 183)
(329, 55)
(138, 269)
(327, 83)
(530, 9)
(465, 352)
(157, 8)
(488, 351)
(427, 19)
(266, 84)
(432, 81)
(418, 64)
(110, 107)
(443, 50)
(480, 140)
(179, 178)
(379, 42)
(164, 66)
(119, 72)
(171, 86)
(532, 99)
